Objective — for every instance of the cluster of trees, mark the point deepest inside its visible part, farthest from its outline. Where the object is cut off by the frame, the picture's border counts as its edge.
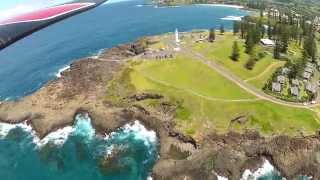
(282, 30)
(252, 32)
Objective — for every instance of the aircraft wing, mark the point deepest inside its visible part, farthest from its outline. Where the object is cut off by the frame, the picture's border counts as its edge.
(20, 26)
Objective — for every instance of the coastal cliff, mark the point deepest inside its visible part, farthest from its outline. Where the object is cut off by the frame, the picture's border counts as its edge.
(82, 88)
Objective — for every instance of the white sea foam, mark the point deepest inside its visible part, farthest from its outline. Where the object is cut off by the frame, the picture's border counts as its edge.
(98, 54)
(265, 169)
(5, 129)
(61, 70)
(83, 127)
(167, 6)
(58, 137)
(138, 132)
(222, 5)
(232, 18)
(149, 178)
(220, 177)
(141, 133)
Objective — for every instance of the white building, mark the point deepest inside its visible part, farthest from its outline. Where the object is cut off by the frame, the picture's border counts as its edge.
(267, 42)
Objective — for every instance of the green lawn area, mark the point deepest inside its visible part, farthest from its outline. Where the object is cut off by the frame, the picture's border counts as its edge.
(260, 80)
(221, 50)
(207, 102)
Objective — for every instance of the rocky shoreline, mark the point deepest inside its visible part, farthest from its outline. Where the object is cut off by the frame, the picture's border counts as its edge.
(82, 88)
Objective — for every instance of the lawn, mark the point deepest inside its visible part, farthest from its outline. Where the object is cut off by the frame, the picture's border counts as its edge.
(210, 102)
(260, 80)
(221, 50)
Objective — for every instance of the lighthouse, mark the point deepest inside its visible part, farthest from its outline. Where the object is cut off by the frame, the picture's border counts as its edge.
(177, 48)
(177, 36)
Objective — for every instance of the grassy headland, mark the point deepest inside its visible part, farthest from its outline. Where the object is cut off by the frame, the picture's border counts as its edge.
(208, 102)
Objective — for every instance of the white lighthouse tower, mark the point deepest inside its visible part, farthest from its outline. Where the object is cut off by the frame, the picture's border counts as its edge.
(177, 36)
(177, 48)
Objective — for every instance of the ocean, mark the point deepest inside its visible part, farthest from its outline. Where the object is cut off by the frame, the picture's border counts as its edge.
(77, 152)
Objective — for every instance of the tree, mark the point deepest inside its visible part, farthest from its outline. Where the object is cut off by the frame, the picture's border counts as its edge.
(236, 27)
(235, 52)
(249, 43)
(269, 31)
(310, 47)
(250, 63)
(261, 12)
(221, 29)
(276, 50)
(212, 35)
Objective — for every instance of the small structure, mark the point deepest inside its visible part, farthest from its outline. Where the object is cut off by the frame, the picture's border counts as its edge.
(309, 65)
(281, 79)
(295, 82)
(267, 42)
(177, 36)
(306, 75)
(294, 91)
(138, 48)
(285, 71)
(177, 48)
(309, 70)
(276, 87)
(311, 88)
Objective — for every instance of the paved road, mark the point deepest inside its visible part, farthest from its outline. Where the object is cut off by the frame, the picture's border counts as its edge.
(241, 83)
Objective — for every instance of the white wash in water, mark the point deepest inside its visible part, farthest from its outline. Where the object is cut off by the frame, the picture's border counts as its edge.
(265, 169)
(60, 71)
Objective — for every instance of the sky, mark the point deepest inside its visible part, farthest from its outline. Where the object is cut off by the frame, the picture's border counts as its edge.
(10, 8)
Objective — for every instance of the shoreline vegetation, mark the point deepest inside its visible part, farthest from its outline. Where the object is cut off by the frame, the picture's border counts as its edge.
(128, 83)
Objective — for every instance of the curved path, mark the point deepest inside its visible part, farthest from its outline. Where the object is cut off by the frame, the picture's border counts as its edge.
(264, 72)
(237, 80)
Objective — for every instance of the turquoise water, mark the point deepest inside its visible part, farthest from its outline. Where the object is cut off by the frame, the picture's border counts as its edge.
(77, 155)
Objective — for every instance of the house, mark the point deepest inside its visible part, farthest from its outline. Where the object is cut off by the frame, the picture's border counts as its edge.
(276, 87)
(309, 65)
(309, 70)
(295, 82)
(285, 71)
(306, 75)
(311, 88)
(281, 79)
(294, 91)
(267, 42)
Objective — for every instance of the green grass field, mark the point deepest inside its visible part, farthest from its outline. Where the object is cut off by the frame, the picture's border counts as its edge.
(220, 51)
(210, 102)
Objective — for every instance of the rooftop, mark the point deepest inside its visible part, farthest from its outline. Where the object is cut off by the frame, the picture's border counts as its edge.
(281, 79)
(306, 75)
(295, 82)
(276, 87)
(267, 42)
(294, 91)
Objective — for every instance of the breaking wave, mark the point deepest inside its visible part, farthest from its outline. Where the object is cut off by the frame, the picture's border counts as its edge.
(78, 148)
(61, 70)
